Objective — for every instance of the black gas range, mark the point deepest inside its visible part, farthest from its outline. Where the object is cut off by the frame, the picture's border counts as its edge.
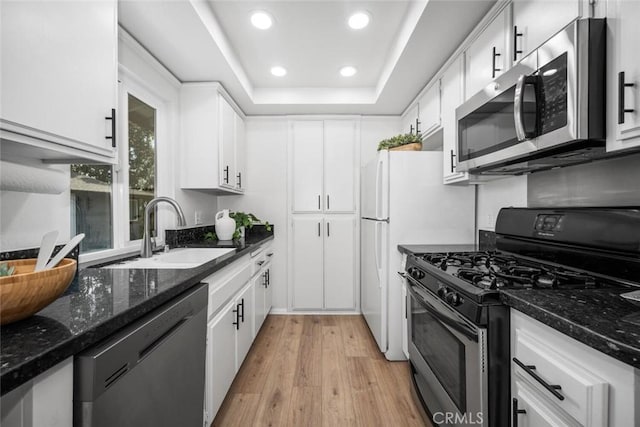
(458, 328)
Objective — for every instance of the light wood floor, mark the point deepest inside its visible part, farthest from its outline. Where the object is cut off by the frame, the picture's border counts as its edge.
(318, 371)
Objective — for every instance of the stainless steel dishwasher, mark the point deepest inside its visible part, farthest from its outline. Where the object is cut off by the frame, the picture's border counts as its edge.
(149, 374)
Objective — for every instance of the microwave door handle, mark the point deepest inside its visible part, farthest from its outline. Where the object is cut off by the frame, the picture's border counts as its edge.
(518, 107)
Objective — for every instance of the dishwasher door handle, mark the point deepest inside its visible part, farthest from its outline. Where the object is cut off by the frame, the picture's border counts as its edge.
(148, 349)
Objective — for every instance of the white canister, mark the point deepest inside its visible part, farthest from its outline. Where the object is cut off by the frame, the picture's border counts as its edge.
(225, 225)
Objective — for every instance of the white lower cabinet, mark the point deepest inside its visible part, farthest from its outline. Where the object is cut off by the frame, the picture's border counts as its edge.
(45, 401)
(558, 381)
(230, 331)
(324, 262)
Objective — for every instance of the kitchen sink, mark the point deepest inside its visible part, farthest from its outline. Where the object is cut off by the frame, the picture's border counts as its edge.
(176, 258)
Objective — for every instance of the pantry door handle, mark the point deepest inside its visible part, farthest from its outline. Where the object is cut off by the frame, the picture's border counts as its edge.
(516, 34)
(328, 233)
(328, 202)
(318, 229)
(621, 86)
(318, 202)
(516, 412)
(529, 369)
(113, 128)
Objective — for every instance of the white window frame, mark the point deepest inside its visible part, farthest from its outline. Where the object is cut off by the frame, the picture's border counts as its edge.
(132, 84)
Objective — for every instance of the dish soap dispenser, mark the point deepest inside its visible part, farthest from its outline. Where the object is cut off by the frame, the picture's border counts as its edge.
(225, 225)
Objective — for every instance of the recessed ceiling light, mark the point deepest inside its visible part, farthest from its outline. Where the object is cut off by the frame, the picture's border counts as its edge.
(359, 20)
(348, 71)
(261, 20)
(278, 71)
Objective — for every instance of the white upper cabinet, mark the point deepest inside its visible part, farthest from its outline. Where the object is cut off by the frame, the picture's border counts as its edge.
(451, 99)
(486, 57)
(623, 76)
(429, 110)
(227, 131)
(212, 143)
(59, 79)
(323, 165)
(535, 21)
(409, 120)
(306, 148)
(339, 166)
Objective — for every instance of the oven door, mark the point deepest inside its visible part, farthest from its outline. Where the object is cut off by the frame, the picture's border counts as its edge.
(446, 352)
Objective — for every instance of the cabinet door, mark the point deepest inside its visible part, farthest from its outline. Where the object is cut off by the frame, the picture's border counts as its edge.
(240, 154)
(246, 330)
(429, 108)
(221, 359)
(59, 70)
(268, 295)
(531, 31)
(451, 99)
(538, 412)
(307, 260)
(306, 179)
(227, 144)
(339, 166)
(487, 57)
(409, 120)
(339, 263)
(623, 20)
(260, 289)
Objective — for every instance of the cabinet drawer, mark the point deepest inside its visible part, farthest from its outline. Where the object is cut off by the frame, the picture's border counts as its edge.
(580, 394)
(225, 284)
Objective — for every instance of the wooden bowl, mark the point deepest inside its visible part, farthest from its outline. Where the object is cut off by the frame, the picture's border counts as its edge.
(414, 146)
(25, 292)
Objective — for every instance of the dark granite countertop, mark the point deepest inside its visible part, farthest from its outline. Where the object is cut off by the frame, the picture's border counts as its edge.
(98, 303)
(599, 318)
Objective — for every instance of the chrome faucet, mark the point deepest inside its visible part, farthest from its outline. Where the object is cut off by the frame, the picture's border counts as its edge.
(146, 250)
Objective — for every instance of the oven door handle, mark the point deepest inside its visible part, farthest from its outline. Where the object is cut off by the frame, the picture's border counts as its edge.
(444, 314)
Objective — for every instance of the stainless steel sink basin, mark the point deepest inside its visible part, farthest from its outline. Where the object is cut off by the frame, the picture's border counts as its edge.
(176, 258)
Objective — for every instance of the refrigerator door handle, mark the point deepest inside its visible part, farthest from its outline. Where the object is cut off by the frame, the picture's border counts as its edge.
(377, 238)
(379, 189)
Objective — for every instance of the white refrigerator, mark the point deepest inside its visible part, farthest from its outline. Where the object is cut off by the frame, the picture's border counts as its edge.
(404, 202)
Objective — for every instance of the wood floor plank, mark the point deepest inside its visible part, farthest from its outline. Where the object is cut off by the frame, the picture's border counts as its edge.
(305, 408)
(309, 363)
(318, 371)
(274, 404)
(240, 411)
(337, 403)
(257, 365)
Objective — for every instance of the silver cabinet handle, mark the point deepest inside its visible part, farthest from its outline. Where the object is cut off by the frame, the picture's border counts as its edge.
(318, 229)
(328, 202)
(328, 233)
(318, 202)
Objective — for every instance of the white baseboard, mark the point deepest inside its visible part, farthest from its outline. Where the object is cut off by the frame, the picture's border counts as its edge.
(284, 311)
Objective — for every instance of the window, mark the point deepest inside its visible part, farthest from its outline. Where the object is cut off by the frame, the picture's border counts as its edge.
(142, 164)
(99, 208)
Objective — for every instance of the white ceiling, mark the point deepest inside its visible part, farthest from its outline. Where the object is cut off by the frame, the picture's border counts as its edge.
(403, 47)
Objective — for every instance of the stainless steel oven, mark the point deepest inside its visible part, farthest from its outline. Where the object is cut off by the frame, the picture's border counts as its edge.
(448, 360)
(546, 111)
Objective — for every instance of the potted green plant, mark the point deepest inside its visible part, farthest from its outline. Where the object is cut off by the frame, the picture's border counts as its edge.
(407, 141)
(246, 221)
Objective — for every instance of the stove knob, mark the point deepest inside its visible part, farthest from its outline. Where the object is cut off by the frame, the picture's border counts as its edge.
(442, 291)
(416, 273)
(453, 299)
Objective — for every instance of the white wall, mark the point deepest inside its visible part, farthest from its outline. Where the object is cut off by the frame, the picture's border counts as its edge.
(266, 191)
(374, 129)
(493, 195)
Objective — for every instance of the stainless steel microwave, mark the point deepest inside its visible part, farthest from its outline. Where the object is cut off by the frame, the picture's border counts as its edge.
(545, 112)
